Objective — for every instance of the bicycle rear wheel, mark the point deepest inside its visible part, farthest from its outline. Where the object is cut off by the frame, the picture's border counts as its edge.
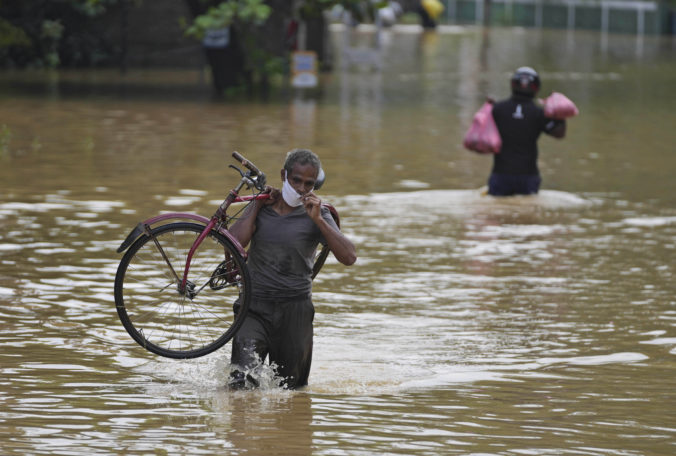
(178, 324)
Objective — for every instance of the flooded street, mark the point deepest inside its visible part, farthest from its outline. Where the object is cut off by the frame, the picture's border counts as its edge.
(538, 325)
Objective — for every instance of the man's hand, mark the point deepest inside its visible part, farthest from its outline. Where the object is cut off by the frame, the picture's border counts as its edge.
(313, 206)
(274, 193)
(342, 247)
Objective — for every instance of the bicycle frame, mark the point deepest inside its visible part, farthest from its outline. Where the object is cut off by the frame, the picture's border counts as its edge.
(144, 226)
(217, 221)
(210, 223)
(219, 218)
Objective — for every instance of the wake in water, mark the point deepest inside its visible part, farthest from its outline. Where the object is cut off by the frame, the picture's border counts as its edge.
(459, 203)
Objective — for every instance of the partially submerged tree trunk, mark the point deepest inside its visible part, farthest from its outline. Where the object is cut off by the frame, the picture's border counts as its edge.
(228, 68)
(316, 39)
(227, 64)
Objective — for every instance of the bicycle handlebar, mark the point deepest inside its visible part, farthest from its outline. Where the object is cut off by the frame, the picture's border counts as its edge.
(246, 163)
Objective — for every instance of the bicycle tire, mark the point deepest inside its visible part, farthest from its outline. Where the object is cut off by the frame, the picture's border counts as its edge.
(323, 252)
(160, 318)
(320, 258)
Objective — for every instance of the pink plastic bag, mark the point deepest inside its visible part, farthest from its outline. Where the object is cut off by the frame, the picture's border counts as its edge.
(558, 106)
(483, 136)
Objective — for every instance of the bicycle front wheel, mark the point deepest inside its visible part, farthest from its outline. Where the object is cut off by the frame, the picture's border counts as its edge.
(177, 323)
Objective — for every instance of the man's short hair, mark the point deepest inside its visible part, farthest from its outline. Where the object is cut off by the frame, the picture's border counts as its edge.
(301, 157)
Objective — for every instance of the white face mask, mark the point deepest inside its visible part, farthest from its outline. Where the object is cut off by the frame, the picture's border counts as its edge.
(290, 195)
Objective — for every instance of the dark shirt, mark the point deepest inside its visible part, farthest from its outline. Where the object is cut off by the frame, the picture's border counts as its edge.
(520, 122)
(282, 252)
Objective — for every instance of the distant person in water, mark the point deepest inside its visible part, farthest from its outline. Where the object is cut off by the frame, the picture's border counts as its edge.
(284, 232)
(429, 11)
(520, 122)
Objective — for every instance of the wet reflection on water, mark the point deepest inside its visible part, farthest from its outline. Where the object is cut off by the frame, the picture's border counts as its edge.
(533, 325)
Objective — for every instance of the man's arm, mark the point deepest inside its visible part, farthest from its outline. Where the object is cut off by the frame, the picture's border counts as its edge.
(341, 247)
(245, 226)
(243, 229)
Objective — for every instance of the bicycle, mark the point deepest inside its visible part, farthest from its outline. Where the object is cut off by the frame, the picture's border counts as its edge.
(185, 315)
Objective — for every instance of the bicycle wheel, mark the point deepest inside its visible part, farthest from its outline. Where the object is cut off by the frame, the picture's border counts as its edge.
(178, 324)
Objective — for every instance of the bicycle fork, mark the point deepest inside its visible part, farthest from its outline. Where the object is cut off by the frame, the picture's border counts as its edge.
(185, 288)
(183, 285)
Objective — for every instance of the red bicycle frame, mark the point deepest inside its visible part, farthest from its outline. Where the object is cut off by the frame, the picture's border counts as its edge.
(218, 222)
(219, 217)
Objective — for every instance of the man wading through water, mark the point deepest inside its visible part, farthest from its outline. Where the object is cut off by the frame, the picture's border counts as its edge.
(520, 122)
(284, 232)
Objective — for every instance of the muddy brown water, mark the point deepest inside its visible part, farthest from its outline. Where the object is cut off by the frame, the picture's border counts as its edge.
(469, 325)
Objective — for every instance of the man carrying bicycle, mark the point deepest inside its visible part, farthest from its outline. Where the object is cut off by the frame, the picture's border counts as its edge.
(284, 232)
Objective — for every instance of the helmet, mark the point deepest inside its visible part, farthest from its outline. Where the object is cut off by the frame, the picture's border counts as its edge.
(525, 81)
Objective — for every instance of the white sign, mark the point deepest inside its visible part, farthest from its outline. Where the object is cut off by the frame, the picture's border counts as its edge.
(304, 69)
(216, 38)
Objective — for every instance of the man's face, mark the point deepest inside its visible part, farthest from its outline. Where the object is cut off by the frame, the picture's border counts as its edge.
(302, 178)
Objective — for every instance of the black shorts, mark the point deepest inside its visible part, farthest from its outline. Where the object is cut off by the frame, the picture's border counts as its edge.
(513, 184)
